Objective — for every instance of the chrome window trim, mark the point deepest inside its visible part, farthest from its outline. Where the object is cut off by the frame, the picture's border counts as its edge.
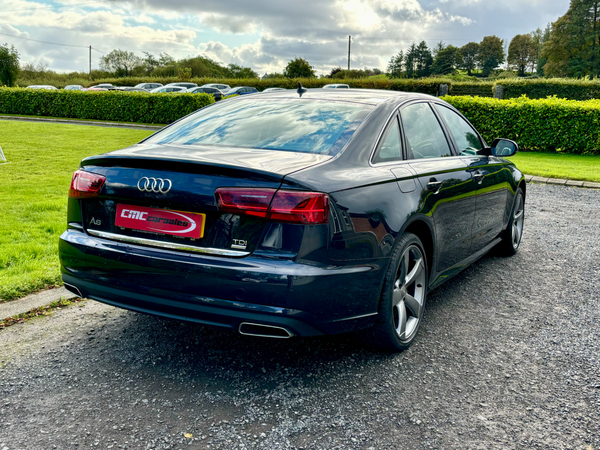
(166, 245)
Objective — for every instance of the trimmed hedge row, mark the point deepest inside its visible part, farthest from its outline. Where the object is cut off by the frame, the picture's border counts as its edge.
(548, 124)
(117, 106)
(547, 87)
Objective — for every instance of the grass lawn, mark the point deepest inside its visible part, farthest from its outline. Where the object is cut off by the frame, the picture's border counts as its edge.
(33, 195)
(556, 165)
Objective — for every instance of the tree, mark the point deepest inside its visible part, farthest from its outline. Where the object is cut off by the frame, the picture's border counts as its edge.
(539, 43)
(437, 48)
(410, 60)
(299, 68)
(424, 60)
(470, 54)
(9, 65)
(151, 63)
(235, 71)
(446, 61)
(521, 52)
(395, 65)
(573, 48)
(120, 62)
(491, 54)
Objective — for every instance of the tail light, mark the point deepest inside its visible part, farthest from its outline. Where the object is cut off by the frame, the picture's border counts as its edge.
(86, 184)
(310, 208)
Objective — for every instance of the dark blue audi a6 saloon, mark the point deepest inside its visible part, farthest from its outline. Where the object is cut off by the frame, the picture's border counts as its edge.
(294, 213)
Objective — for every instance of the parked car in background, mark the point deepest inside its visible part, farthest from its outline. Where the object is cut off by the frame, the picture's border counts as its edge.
(336, 86)
(41, 86)
(281, 215)
(207, 90)
(74, 87)
(241, 90)
(219, 86)
(148, 86)
(184, 84)
(134, 89)
(168, 89)
(95, 88)
(103, 85)
(273, 89)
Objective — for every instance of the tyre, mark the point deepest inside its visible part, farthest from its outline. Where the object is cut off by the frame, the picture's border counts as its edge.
(402, 299)
(514, 230)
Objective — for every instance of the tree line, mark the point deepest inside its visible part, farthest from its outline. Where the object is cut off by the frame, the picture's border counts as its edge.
(122, 63)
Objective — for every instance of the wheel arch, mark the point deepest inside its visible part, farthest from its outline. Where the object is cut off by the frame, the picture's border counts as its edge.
(423, 230)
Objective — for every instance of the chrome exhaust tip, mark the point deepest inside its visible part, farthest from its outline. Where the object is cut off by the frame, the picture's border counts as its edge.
(261, 330)
(73, 289)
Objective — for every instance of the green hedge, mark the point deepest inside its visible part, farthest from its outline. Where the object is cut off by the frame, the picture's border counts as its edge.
(548, 124)
(117, 106)
(566, 88)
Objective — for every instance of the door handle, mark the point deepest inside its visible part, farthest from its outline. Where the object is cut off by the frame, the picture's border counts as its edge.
(434, 185)
(478, 176)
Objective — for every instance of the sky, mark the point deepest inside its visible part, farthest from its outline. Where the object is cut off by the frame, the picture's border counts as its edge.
(262, 34)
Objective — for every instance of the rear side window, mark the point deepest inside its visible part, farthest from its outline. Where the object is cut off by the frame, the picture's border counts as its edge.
(423, 132)
(390, 148)
(465, 137)
(297, 125)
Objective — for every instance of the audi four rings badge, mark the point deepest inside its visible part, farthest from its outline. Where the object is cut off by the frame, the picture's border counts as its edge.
(157, 185)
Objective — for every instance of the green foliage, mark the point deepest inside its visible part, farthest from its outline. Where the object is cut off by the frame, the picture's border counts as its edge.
(121, 62)
(9, 65)
(491, 54)
(573, 48)
(109, 105)
(539, 125)
(394, 67)
(566, 88)
(299, 68)
(521, 52)
(469, 53)
(447, 60)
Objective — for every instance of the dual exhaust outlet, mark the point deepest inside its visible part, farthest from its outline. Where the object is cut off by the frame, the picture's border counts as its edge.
(262, 330)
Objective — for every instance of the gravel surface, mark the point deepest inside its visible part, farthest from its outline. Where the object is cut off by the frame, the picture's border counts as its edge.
(507, 357)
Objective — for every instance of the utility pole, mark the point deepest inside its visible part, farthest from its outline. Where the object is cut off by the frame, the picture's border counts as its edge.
(90, 62)
(349, 39)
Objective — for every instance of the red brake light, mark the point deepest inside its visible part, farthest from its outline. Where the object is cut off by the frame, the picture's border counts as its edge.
(309, 208)
(86, 184)
(252, 202)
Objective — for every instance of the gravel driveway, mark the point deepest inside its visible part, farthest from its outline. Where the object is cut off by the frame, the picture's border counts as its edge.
(507, 358)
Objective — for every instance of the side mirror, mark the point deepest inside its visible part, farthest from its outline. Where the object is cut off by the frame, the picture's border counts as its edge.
(504, 147)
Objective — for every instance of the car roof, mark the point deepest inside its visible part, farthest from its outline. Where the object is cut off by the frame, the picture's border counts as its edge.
(367, 96)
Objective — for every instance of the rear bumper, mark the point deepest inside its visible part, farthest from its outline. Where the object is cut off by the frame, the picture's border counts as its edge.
(223, 292)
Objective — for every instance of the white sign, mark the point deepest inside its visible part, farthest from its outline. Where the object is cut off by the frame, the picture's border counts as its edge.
(2, 158)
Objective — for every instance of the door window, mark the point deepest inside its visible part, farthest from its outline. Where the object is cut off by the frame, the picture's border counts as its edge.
(465, 137)
(390, 148)
(423, 132)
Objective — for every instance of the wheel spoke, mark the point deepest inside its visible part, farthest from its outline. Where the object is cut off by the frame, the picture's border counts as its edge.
(414, 273)
(401, 328)
(413, 304)
(515, 234)
(397, 296)
(518, 215)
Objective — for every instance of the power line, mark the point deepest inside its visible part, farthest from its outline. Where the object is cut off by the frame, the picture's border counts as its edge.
(58, 6)
(44, 42)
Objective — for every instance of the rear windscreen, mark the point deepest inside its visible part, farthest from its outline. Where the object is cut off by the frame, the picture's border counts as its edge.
(297, 125)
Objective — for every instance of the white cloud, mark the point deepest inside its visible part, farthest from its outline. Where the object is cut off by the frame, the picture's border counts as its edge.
(264, 34)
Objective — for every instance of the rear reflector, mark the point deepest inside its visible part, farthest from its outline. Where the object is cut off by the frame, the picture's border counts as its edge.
(86, 184)
(309, 208)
